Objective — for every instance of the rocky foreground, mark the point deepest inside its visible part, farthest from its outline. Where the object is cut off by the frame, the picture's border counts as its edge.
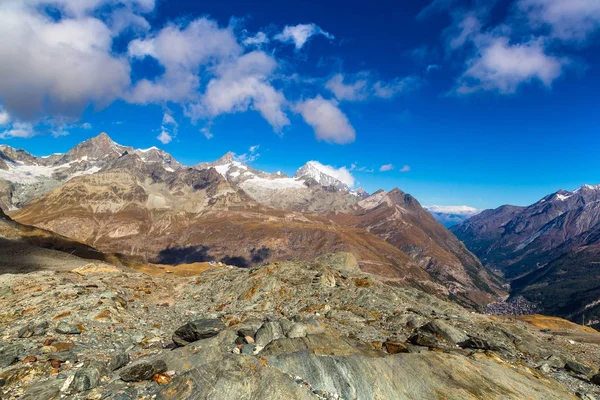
(289, 330)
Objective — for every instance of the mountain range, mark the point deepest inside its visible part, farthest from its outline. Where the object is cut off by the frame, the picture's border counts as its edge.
(550, 250)
(145, 204)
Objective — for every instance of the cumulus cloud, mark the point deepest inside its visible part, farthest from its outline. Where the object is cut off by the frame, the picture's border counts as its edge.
(502, 67)
(168, 129)
(405, 168)
(567, 19)
(67, 67)
(300, 34)
(329, 122)
(342, 91)
(386, 167)
(4, 117)
(182, 51)
(530, 45)
(257, 40)
(242, 84)
(341, 174)
(18, 130)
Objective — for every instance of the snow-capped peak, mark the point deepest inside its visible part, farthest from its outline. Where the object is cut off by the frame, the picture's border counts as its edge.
(588, 187)
(326, 175)
(149, 149)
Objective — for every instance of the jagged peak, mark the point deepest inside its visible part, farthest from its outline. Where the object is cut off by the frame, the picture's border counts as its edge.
(588, 187)
(227, 158)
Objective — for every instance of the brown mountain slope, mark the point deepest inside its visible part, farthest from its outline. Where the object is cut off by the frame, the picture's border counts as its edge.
(191, 215)
(26, 248)
(399, 219)
(197, 216)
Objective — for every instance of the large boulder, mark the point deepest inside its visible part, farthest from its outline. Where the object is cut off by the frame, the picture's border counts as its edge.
(197, 330)
(143, 370)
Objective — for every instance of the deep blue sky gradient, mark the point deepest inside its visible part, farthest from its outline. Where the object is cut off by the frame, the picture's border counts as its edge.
(482, 150)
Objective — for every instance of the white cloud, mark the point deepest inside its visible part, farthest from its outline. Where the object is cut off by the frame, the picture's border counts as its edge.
(341, 174)
(67, 66)
(249, 157)
(168, 119)
(329, 122)
(78, 8)
(405, 168)
(364, 87)
(503, 67)
(165, 137)
(168, 129)
(86, 125)
(387, 90)
(206, 131)
(182, 51)
(360, 168)
(257, 40)
(342, 91)
(567, 19)
(18, 130)
(458, 210)
(300, 34)
(386, 167)
(4, 117)
(242, 84)
(466, 26)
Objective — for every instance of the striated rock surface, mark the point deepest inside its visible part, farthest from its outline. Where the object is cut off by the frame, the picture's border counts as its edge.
(271, 332)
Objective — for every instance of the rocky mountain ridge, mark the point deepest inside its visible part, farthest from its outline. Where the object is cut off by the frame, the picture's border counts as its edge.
(549, 250)
(231, 212)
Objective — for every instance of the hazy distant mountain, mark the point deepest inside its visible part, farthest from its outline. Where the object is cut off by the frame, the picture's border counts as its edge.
(451, 215)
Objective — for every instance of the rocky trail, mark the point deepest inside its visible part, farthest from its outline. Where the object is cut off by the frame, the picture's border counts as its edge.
(303, 330)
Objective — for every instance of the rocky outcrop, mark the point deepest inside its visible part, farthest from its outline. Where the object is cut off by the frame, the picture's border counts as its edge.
(270, 332)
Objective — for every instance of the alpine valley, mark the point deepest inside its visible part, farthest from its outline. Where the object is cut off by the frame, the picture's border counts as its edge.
(549, 251)
(127, 275)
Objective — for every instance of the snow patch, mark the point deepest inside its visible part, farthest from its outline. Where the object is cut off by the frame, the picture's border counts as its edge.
(149, 149)
(274, 184)
(562, 197)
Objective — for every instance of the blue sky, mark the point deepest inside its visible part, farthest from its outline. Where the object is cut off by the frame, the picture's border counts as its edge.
(480, 103)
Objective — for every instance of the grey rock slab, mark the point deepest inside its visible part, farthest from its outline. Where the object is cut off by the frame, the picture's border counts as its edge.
(234, 378)
(9, 354)
(267, 333)
(579, 368)
(444, 330)
(118, 360)
(249, 327)
(197, 330)
(298, 330)
(86, 379)
(416, 376)
(142, 370)
(67, 329)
